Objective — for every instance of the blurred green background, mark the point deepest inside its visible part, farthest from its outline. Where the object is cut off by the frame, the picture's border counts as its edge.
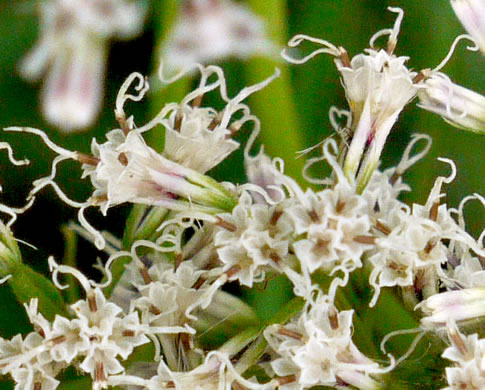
(293, 110)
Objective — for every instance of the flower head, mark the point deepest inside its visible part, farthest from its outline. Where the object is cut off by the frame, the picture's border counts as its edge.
(74, 36)
(210, 30)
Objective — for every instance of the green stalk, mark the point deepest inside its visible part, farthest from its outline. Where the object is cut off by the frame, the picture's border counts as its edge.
(73, 293)
(274, 106)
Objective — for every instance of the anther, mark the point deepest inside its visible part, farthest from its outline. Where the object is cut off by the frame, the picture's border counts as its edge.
(178, 121)
(290, 333)
(275, 217)
(314, 216)
(284, 380)
(371, 240)
(147, 279)
(233, 129)
(123, 159)
(178, 260)
(433, 212)
(333, 318)
(128, 333)
(344, 57)
(121, 118)
(216, 121)
(197, 101)
(396, 175)
(458, 341)
(423, 74)
(226, 225)
(84, 158)
(58, 340)
(429, 246)
(238, 386)
(340, 206)
(155, 310)
(199, 283)
(379, 226)
(391, 45)
(233, 270)
(93, 307)
(99, 375)
(37, 386)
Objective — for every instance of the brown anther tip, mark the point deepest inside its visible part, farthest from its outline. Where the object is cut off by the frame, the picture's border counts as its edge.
(58, 340)
(391, 45)
(344, 58)
(37, 386)
(322, 244)
(178, 121)
(154, 310)
(97, 200)
(197, 101)
(41, 332)
(458, 341)
(379, 226)
(370, 240)
(226, 225)
(340, 206)
(185, 340)
(121, 118)
(199, 283)
(84, 158)
(178, 260)
(275, 257)
(233, 129)
(128, 333)
(422, 74)
(93, 306)
(215, 122)
(396, 175)
(290, 333)
(429, 247)
(233, 270)
(314, 216)
(147, 279)
(238, 386)
(99, 375)
(123, 159)
(275, 217)
(433, 212)
(284, 380)
(170, 385)
(333, 318)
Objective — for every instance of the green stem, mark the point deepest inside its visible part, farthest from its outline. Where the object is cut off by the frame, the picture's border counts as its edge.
(73, 293)
(277, 98)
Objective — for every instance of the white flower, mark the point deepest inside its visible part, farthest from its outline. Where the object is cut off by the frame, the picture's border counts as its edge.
(201, 137)
(254, 238)
(377, 86)
(336, 228)
(472, 15)
(211, 30)
(73, 40)
(130, 171)
(467, 353)
(318, 350)
(28, 362)
(457, 105)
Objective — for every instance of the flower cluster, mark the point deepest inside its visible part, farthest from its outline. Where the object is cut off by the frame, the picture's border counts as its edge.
(162, 318)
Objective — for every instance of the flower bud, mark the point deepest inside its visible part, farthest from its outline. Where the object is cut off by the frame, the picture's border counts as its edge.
(458, 305)
(472, 15)
(458, 106)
